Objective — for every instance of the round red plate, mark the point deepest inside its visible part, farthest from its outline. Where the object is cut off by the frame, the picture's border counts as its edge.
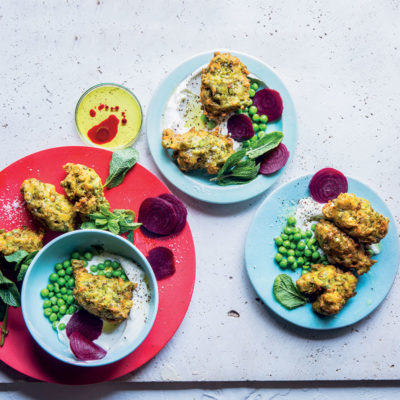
(20, 351)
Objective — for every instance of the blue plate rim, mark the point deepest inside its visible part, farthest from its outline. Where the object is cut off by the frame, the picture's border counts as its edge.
(275, 310)
(217, 194)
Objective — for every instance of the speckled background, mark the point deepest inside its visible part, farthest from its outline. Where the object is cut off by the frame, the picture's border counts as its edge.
(340, 62)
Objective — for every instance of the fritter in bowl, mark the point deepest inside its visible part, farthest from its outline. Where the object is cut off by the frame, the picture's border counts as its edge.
(357, 218)
(198, 149)
(224, 86)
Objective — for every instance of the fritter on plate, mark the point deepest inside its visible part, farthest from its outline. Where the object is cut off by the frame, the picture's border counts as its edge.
(224, 86)
(50, 208)
(84, 188)
(331, 285)
(342, 249)
(357, 218)
(198, 149)
(108, 298)
(20, 239)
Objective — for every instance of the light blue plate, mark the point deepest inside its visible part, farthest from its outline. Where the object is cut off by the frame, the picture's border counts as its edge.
(260, 249)
(197, 184)
(37, 278)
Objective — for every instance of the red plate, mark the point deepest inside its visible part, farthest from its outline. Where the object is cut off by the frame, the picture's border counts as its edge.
(20, 351)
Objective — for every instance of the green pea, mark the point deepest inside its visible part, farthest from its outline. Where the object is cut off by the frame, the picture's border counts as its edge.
(278, 241)
(101, 273)
(51, 294)
(211, 124)
(246, 110)
(66, 263)
(315, 255)
(291, 252)
(307, 252)
(253, 110)
(278, 257)
(310, 242)
(53, 300)
(107, 262)
(58, 266)
(264, 119)
(56, 287)
(58, 295)
(309, 234)
(282, 250)
(307, 263)
(47, 304)
(291, 260)
(50, 286)
(108, 274)
(63, 290)
(119, 273)
(68, 271)
(63, 309)
(301, 245)
(75, 255)
(71, 309)
(54, 325)
(300, 261)
(313, 227)
(124, 277)
(256, 127)
(100, 266)
(252, 92)
(70, 299)
(254, 86)
(263, 127)
(296, 237)
(250, 102)
(203, 118)
(298, 253)
(293, 246)
(325, 262)
(61, 281)
(61, 272)
(93, 268)
(288, 230)
(284, 236)
(64, 297)
(306, 267)
(115, 264)
(60, 302)
(286, 244)
(44, 293)
(53, 277)
(88, 255)
(291, 221)
(71, 282)
(294, 266)
(47, 312)
(283, 263)
(255, 117)
(303, 235)
(55, 308)
(61, 326)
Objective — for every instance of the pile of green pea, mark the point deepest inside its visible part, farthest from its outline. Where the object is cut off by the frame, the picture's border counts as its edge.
(58, 297)
(296, 248)
(259, 121)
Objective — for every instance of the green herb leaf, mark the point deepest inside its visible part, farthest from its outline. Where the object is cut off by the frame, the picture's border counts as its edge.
(113, 226)
(266, 143)
(231, 161)
(247, 172)
(16, 257)
(88, 225)
(286, 292)
(100, 221)
(121, 162)
(3, 308)
(105, 210)
(22, 272)
(130, 236)
(9, 292)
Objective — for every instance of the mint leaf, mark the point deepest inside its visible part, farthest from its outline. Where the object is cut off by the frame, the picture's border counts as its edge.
(266, 143)
(121, 162)
(286, 292)
(10, 295)
(16, 257)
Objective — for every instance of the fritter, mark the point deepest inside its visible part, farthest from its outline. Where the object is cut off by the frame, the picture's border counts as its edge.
(84, 188)
(342, 249)
(198, 149)
(50, 208)
(357, 218)
(331, 285)
(108, 298)
(20, 239)
(224, 86)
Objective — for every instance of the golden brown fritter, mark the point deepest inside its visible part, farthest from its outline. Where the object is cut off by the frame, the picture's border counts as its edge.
(84, 188)
(50, 208)
(342, 249)
(331, 285)
(357, 218)
(20, 239)
(108, 298)
(224, 86)
(198, 149)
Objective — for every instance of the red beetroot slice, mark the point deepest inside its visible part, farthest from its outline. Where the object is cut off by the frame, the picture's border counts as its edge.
(274, 160)
(162, 261)
(158, 216)
(84, 349)
(180, 210)
(86, 324)
(240, 127)
(269, 103)
(327, 184)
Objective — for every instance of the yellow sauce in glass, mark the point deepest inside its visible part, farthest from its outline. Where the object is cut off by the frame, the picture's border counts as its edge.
(109, 116)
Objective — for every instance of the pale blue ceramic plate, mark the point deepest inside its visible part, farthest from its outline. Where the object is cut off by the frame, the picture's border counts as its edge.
(37, 277)
(197, 184)
(260, 249)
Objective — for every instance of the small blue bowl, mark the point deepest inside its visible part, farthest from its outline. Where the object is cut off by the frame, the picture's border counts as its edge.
(37, 278)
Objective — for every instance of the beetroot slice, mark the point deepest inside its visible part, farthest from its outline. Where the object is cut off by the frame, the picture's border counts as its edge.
(327, 184)
(84, 349)
(158, 216)
(180, 210)
(269, 103)
(274, 160)
(86, 324)
(240, 127)
(162, 261)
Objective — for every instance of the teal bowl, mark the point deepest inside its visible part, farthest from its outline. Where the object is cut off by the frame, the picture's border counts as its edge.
(37, 278)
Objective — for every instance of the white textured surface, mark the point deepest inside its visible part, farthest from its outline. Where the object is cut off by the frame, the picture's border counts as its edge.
(340, 61)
